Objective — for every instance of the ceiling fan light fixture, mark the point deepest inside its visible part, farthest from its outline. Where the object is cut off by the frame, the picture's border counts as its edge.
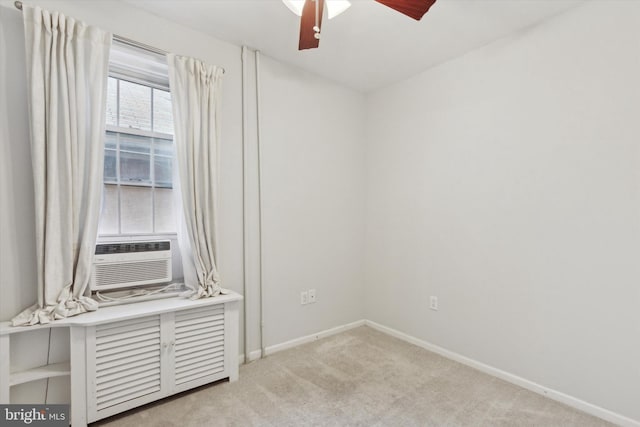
(294, 6)
(334, 7)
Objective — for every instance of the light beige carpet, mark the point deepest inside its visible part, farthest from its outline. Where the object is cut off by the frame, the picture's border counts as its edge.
(357, 378)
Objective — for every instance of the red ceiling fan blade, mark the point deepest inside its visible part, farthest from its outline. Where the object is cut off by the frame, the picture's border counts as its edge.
(412, 8)
(307, 22)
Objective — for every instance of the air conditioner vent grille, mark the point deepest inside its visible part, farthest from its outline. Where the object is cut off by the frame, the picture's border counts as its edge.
(131, 272)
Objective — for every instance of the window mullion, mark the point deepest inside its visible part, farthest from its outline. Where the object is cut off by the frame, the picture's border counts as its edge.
(153, 184)
(118, 192)
(152, 169)
(118, 102)
(152, 124)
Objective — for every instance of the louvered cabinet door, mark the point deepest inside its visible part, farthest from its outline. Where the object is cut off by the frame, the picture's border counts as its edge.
(198, 355)
(124, 365)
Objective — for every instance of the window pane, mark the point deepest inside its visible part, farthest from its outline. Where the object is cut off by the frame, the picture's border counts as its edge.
(165, 222)
(163, 171)
(112, 102)
(110, 158)
(135, 106)
(162, 162)
(136, 206)
(111, 141)
(110, 166)
(134, 168)
(135, 144)
(135, 159)
(163, 147)
(162, 113)
(109, 215)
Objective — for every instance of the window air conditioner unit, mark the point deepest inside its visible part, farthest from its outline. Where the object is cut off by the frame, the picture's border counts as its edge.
(127, 264)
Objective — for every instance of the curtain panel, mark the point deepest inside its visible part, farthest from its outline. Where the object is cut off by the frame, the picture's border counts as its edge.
(67, 65)
(195, 93)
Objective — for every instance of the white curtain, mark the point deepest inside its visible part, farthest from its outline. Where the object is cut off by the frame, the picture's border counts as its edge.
(67, 64)
(195, 93)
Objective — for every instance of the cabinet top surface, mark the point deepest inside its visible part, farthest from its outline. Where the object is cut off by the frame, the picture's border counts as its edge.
(126, 311)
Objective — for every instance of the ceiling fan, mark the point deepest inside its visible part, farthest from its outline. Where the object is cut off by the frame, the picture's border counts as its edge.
(310, 12)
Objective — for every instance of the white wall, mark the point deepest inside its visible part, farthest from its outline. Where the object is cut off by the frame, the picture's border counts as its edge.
(17, 217)
(332, 157)
(313, 201)
(507, 183)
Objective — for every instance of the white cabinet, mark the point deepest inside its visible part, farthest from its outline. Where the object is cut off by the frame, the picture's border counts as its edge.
(197, 348)
(128, 355)
(136, 361)
(124, 365)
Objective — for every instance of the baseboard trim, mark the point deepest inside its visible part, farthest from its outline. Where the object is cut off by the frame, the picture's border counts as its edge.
(574, 402)
(254, 355)
(313, 337)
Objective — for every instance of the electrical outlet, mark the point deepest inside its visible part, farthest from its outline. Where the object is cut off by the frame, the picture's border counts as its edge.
(433, 303)
(312, 296)
(304, 297)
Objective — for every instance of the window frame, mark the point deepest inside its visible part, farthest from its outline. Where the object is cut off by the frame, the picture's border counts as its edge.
(120, 76)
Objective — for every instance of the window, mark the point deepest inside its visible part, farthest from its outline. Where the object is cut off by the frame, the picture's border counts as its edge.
(138, 170)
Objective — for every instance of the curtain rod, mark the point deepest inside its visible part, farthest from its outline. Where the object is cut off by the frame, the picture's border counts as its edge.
(18, 5)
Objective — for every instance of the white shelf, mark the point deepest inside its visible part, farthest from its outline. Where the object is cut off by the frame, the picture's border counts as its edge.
(39, 373)
(124, 312)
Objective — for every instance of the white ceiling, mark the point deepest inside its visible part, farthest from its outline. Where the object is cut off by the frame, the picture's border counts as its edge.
(370, 45)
